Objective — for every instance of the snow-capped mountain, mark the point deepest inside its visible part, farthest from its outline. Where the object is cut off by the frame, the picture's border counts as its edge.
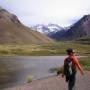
(47, 29)
(78, 30)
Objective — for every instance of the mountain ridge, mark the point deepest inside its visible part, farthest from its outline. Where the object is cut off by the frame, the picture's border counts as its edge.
(13, 31)
(47, 29)
(78, 30)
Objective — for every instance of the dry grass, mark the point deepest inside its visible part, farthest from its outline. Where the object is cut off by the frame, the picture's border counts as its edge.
(42, 50)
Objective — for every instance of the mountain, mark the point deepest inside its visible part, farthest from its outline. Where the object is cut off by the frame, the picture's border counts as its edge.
(47, 29)
(84, 40)
(78, 30)
(13, 31)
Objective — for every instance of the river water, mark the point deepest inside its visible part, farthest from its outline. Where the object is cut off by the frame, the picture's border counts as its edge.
(36, 66)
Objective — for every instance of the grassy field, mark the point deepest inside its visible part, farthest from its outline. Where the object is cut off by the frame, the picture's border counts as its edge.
(85, 62)
(42, 50)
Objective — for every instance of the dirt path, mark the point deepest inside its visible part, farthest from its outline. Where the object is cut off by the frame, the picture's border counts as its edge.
(56, 83)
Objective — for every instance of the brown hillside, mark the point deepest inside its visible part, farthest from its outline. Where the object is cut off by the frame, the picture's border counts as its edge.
(13, 31)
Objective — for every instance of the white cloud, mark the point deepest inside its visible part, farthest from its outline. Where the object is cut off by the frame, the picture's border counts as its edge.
(45, 11)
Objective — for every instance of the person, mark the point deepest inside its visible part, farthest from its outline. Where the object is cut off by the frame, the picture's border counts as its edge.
(70, 71)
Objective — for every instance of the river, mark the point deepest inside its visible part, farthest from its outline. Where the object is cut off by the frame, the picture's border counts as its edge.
(36, 66)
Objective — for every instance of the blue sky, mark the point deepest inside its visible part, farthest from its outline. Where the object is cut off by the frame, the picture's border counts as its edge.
(62, 12)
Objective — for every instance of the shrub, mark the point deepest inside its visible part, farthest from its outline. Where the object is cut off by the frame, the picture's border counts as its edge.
(29, 79)
(57, 70)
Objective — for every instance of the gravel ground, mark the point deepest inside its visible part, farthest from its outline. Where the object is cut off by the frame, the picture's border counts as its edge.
(56, 83)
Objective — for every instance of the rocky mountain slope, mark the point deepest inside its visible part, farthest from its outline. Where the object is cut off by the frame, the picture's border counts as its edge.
(13, 31)
(78, 30)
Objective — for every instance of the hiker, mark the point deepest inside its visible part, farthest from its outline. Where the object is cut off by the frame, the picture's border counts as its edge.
(71, 64)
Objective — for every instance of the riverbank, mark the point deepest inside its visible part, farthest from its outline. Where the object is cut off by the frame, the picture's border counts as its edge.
(16, 70)
(56, 83)
(19, 68)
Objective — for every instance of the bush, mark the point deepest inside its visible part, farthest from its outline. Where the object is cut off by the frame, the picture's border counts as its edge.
(57, 70)
(29, 79)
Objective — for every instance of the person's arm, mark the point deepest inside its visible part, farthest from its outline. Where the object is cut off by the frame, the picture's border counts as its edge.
(78, 66)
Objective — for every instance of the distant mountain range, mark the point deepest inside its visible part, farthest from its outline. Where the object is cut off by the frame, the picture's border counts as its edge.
(78, 30)
(47, 29)
(13, 31)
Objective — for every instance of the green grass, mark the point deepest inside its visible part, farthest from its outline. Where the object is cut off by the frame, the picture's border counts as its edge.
(85, 62)
(58, 48)
(57, 70)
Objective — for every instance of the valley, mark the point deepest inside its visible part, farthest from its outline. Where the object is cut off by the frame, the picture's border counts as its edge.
(57, 48)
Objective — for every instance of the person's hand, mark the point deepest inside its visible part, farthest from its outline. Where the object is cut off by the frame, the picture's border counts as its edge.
(62, 75)
(82, 72)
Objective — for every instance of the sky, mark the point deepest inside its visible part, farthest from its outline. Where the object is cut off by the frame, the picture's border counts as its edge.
(61, 12)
